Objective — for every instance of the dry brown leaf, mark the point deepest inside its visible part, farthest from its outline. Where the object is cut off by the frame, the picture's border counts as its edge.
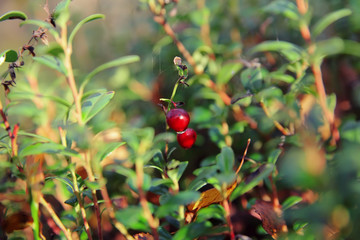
(212, 196)
(17, 221)
(271, 218)
(207, 198)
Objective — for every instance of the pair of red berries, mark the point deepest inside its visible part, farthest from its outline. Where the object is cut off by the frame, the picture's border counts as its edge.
(178, 119)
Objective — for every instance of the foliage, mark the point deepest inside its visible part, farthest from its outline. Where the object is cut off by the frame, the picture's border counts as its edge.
(272, 93)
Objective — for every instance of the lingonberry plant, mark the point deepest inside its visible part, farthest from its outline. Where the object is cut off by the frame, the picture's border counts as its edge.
(257, 136)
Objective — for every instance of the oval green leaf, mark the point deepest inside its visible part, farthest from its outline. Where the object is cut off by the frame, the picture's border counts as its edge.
(94, 104)
(81, 23)
(52, 62)
(50, 147)
(8, 56)
(227, 72)
(114, 63)
(290, 51)
(330, 18)
(259, 175)
(13, 15)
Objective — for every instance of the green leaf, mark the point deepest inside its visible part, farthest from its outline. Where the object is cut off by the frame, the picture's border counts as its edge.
(42, 24)
(283, 7)
(291, 201)
(172, 203)
(133, 217)
(92, 185)
(214, 211)
(225, 160)
(54, 49)
(13, 15)
(253, 180)
(94, 104)
(114, 63)
(328, 47)
(351, 48)
(72, 201)
(19, 95)
(227, 72)
(176, 169)
(48, 147)
(328, 19)
(110, 147)
(69, 184)
(22, 133)
(290, 51)
(60, 7)
(81, 23)
(274, 155)
(8, 56)
(279, 76)
(193, 231)
(252, 79)
(52, 62)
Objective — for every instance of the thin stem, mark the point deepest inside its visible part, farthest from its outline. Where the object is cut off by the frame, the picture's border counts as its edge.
(118, 225)
(12, 135)
(81, 205)
(316, 69)
(34, 207)
(283, 130)
(93, 192)
(227, 209)
(243, 157)
(55, 217)
(275, 198)
(70, 74)
(153, 222)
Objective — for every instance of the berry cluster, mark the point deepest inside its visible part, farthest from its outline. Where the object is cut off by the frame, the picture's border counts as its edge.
(178, 119)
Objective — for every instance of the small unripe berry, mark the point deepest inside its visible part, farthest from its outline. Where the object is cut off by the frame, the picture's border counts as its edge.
(177, 119)
(187, 138)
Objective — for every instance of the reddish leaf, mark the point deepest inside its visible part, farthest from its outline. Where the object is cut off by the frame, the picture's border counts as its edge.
(272, 219)
(16, 221)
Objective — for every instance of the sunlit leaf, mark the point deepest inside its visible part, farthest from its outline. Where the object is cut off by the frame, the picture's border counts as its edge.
(52, 62)
(176, 169)
(110, 147)
(52, 148)
(291, 201)
(94, 104)
(13, 15)
(133, 217)
(81, 23)
(8, 56)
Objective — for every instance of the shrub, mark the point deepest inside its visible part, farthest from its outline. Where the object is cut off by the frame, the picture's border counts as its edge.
(269, 147)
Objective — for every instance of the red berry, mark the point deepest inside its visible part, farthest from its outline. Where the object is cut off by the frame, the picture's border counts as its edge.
(187, 138)
(177, 119)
